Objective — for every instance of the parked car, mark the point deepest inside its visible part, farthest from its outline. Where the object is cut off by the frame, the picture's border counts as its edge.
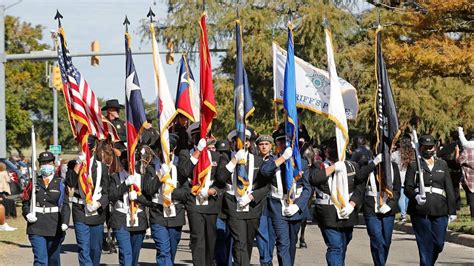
(18, 180)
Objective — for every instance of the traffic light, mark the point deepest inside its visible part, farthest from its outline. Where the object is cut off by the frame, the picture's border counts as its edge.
(169, 53)
(95, 49)
(56, 80)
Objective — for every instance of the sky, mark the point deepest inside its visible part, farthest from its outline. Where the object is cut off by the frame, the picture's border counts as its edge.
(101, 20)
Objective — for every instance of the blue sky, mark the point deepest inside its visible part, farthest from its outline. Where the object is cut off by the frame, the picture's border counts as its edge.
(85, 21)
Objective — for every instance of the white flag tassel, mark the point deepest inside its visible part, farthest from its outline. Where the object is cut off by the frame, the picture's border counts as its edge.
(336, 113)
(166, 114)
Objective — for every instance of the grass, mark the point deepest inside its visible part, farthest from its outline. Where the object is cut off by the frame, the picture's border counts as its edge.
(463, 223)
(11, 240)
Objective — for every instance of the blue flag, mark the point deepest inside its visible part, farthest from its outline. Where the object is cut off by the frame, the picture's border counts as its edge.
(243, 108)
(135, 109)
(293, 166)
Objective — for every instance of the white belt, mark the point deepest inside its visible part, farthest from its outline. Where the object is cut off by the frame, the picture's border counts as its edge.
(433, 190)
(279, 194)
(229, 189)
(76, 200)
(371, 193)
(44, 210)
(119, 206)
(158, 201)
(325, 199)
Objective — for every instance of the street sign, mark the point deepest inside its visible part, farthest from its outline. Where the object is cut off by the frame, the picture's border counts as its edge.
(55, 149)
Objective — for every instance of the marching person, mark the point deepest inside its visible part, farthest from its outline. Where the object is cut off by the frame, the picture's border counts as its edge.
(243, 211)
(48, 218)
(336, 222)
(204, 207)
(265, 234)
(286, 217)
(89, 218)
(380, 218)
(112, 108)
(429, 215)
(128, 223)
(166, 222)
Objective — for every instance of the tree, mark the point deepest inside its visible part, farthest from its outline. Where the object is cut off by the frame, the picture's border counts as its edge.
(428, 49)
(28, 97)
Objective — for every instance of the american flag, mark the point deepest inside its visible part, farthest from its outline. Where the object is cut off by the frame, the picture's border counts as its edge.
(83, 109)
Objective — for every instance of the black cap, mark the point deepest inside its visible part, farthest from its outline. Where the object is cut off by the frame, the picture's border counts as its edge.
(278, 134)
(45, 156)
(427, 140)
(113, 103)
(222, 146)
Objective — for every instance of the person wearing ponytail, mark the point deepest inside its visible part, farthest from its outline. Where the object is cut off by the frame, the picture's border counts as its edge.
(47, 213)
(430, 213)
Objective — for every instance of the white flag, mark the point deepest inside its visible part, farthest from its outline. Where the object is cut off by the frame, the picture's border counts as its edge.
(312, 86)
(336, 104)
(166, 108)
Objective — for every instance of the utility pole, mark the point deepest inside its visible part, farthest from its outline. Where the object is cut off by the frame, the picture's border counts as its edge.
(3, 120)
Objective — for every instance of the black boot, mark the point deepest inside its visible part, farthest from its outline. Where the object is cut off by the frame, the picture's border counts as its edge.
(303, 244)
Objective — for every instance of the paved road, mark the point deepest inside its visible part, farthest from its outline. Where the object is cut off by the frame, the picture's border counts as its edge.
(403, 251)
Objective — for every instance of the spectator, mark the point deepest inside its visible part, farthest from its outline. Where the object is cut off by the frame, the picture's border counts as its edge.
(448, 153)
(4, 202)
(466, 160)
(402, 157)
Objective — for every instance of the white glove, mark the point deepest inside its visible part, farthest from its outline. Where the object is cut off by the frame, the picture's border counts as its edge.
(164, 170)
(452, 218)
(64, 227)
(244, 201)
(419, 200)
(201, 144)
(240, 155)
(346, 211)
(460, 130)
(31, 217)
(132, 195)
(378, 159)
(130, 180)
(204, 193)
(92, 208)
(339, 166)
(291, 210)
(287, 153)
(384, 209)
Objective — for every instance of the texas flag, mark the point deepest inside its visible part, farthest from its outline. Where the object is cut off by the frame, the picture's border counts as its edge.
(136, 116)
(187, 97)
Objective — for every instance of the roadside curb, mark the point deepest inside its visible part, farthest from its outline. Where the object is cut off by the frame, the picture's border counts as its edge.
(451, 236)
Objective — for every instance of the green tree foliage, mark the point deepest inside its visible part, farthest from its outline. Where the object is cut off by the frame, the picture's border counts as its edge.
(28, 97)
(428, 49)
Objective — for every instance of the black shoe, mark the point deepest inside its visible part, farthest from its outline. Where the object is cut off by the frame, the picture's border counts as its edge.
(303, 244)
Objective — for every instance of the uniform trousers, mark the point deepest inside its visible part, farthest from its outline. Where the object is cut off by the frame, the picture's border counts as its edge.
(380, 228)
(89, 239)
(337, 240)
(265, 239)
(203, 237)
(223, 249)
(46, 249)
(430, 233)
(286, 237)
(130, 243)
(243, 232)
(166, 243)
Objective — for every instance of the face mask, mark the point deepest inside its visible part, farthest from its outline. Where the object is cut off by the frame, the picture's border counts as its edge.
(427, 154)
(47, 170)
